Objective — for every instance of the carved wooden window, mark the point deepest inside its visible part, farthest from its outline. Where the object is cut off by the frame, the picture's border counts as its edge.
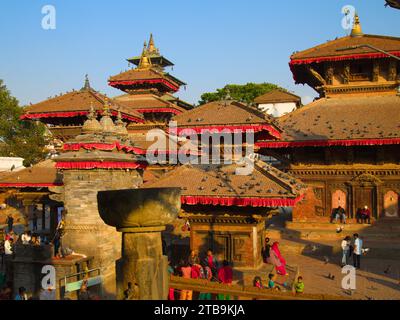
(360, 71)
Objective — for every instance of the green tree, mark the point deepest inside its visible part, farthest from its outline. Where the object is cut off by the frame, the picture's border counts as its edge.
(19, 138)
(245, 93)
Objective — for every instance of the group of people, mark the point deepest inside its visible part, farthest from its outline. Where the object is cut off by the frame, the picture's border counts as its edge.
(362, 215)
(208, 269)
(352, 247)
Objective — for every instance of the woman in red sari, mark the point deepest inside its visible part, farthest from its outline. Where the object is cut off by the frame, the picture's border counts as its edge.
(281, 267)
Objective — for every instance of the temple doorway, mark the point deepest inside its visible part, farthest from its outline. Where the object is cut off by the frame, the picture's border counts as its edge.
(391, 204)
(365, 196)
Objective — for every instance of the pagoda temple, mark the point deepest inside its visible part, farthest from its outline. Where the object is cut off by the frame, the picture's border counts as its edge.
(345, 144)
(149, 88)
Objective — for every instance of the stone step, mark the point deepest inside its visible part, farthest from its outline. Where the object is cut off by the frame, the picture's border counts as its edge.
(325, 226)
(314, 234)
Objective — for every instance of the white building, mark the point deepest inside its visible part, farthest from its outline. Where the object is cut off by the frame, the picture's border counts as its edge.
(11, 164)
(278, 102)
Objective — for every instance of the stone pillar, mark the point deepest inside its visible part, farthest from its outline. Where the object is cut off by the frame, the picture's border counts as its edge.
(143, 262)
(141, 216)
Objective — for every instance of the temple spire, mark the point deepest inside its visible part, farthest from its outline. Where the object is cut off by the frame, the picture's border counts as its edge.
(86, 86)
(357, 30)
(151, 49)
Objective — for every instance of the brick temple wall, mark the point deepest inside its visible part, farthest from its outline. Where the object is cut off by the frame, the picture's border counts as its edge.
(86, 233)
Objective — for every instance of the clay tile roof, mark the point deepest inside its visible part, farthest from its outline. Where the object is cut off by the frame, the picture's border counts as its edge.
(77, 101)
(343, 118)
(223, 113)
(329, 49)
(277, 96)
(221, 181)
(147, 101)
(145, 74)
(42, 174)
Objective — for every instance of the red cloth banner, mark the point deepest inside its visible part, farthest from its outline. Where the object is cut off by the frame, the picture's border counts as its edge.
(72, 114)
(102, 146)
(234, 128)
(241, 202)
(145, 81)
(327, 143)
(29, 185)
(100, 165)
(344, 57)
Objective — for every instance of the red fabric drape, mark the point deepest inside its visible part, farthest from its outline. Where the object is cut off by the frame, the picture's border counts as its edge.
(102, 146)
(253, 202)
(100, 165)
(344, 57)
(234, 128)
(327, 143)
(29, 185)
(144, 81)
(161, 110)
(71, 114)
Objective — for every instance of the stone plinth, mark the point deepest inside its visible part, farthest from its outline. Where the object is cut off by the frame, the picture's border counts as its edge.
(141, 216)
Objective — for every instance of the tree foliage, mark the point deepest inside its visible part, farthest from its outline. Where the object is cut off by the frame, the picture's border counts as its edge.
(19, 138)
(245, 93)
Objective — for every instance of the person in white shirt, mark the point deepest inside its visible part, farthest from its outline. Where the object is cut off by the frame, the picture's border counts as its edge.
(357, 251)
(346, 250)
(8, 246)
(26, 237)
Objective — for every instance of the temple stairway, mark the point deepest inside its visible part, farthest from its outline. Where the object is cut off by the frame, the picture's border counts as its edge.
(382, 237)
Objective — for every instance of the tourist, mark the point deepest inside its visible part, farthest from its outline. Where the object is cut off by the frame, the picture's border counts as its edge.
(35, 240)
(8, 246)
(21, 294)
(212, 263)
(171, 292)
(84, 293)
(271, 282)
(357, 251)
(205, 274)
(366, 215)
(186, 270)
(26, 238)
(340, 214)
(281, 266)
(225, 276)
(34, 221)
(299, 285)
(10, 222)
(346, 250)
(194, 262)
(257, 283)
(266, 250)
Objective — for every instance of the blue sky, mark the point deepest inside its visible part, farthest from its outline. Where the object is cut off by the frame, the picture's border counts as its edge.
(211, 42)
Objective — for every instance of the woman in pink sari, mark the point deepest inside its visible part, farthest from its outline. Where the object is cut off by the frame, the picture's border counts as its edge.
(278, 260)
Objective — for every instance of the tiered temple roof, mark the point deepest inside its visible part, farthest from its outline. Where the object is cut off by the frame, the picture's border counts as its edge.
(346, 120)
(265, 186)
(77, 104)
(219, 115)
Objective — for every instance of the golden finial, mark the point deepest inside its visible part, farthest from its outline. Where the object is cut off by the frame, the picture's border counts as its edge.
(151, 48)
(144, 59)
(356, 31)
